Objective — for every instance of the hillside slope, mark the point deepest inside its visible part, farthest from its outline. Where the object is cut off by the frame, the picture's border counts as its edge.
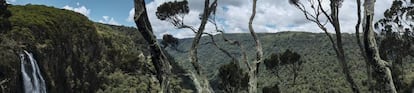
(76, 55)
(321, 71)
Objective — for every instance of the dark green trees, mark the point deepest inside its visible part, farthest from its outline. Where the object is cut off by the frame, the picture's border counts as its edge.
(232, 78)
(169, 40)
(272, 63)
(314, 12)
(289, 59)
(271, 89)
(173, 12)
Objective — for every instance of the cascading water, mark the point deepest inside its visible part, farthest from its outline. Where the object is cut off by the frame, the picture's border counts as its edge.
(32, 79)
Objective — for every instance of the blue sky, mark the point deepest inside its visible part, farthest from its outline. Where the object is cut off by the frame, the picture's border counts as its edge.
(233, 15)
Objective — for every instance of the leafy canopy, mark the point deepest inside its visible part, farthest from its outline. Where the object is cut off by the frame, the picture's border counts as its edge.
(173, 12)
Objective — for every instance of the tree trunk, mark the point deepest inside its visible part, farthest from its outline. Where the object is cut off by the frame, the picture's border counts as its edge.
(381, 67)
(159, 59)
(340, 50)
(253, 71)
(361, 47)
(200, 77)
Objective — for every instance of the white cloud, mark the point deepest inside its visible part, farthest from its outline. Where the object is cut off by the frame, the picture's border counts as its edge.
(109, 20)
(105, 17)
(131, 15)
(10, 1)
(80, 9)
(234, 16)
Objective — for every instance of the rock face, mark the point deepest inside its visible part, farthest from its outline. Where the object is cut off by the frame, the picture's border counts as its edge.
(74, 54)
(60, 40)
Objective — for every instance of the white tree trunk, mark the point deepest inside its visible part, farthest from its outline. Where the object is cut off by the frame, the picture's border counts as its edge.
(253, 69)
(159, 59)
(381, 67)
(200, 77)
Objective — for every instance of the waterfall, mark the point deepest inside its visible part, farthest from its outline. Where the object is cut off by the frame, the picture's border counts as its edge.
(32, 79)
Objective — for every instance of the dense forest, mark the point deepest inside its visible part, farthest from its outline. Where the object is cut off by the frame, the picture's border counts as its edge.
(44, 49)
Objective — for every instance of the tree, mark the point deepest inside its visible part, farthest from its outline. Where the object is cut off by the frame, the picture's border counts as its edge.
(173, 12)
(314, 15)
(273, 63)
(176, 17)
(287, 58)
(361, 46)
(253, 68)
(232, 78)
(159, 58)
(169, 40)
(293, 59)
(396, 38)
(381, 67)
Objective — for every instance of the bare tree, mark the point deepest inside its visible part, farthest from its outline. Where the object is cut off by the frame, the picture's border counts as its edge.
(202, 78)
(174, 13)
(361, 46)
(381, 67)
(253, 68)
(314, 15)
(176, 16)
(160, 60)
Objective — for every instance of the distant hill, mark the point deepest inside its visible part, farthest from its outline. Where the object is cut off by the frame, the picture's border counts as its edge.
(76, 55)
(321, 71)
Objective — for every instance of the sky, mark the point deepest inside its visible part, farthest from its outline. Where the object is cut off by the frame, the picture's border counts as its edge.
(232, 15)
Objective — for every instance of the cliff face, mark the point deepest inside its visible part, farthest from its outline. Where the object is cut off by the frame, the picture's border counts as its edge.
(74, 54)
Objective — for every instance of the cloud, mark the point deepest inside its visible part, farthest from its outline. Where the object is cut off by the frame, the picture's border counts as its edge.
(109, 20)
(163, 27)
(80, 9)
(10, 1)
(234, 15)
(131, 15)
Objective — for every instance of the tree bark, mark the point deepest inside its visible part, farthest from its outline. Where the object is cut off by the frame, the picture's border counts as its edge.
(159, 59)
(361, 47)
(381, 67)
(253, 71)
(200, 77)
(340, 50)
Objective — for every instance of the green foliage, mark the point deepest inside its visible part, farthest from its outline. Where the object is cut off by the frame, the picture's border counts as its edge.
(169, 40)
(169, 10)
(319, 71)
(289, 57)
(272, 63)
(397, 38)
(233, 79)
(286, 58)
(76, 55)
(271, 89)
(173, 12)
(121, 82)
